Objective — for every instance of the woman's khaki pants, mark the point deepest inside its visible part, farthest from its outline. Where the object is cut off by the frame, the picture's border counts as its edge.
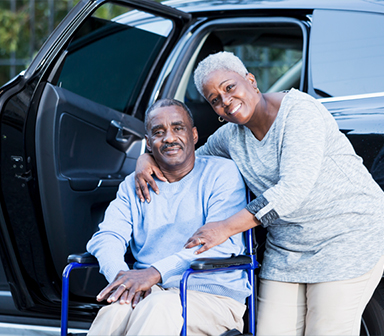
(319, 309)
(160, 314)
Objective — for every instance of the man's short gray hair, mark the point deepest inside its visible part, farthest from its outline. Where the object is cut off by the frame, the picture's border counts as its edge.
(223, 60)
(164, 103)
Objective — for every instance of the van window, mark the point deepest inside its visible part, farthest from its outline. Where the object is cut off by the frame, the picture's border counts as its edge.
(347, 52)
(111, 55)
(272, 56)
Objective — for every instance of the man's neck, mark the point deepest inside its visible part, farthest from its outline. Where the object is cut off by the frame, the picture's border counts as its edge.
(175, 173)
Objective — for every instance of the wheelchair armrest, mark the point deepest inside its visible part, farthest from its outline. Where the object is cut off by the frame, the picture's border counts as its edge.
(82, 258)
(212, 263)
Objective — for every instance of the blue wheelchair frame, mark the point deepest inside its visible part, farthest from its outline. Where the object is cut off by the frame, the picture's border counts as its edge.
(75, 261)
(248, 263)
(245, 262)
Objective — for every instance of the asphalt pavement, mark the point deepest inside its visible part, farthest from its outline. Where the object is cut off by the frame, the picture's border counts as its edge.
(11, 329)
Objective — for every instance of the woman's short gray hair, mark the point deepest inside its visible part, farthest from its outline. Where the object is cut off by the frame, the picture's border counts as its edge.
(222, 60)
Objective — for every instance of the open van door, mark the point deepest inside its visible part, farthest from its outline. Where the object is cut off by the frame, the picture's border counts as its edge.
(71, 130)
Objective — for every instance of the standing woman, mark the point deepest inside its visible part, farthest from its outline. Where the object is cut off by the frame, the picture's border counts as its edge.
(323, 211)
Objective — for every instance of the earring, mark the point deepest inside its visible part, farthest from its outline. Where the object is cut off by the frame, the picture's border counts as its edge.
(220, 119)
(257, 90)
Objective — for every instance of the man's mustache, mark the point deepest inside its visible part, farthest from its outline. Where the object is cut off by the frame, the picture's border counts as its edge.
(167, 145)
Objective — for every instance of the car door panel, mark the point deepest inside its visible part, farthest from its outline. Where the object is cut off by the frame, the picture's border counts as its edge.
(65, 148)
(79, 170)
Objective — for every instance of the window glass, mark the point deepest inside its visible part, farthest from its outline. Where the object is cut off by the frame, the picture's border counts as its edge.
(269, 63)
(347, 53)
(111, 54)
(273, 53)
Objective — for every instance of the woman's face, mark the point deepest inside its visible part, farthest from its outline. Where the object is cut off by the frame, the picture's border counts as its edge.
(231, 96)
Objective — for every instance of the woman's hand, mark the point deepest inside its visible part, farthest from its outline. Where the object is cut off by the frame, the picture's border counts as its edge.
(216, 233)
(209, 235)
(145, 167)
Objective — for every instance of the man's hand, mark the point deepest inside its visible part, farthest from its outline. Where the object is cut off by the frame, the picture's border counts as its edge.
(130, 286)
(145, 167)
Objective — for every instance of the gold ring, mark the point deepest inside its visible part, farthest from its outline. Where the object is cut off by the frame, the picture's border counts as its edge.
(124, 286)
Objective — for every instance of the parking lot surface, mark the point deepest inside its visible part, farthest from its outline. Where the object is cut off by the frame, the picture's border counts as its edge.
(8, 329)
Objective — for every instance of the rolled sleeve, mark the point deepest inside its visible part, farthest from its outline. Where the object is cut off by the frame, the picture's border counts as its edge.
(262, 210)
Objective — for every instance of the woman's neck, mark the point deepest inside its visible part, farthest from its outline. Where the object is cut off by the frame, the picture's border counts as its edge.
(265, 114)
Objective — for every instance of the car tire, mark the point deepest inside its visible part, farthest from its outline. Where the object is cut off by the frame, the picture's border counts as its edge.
(373, 317)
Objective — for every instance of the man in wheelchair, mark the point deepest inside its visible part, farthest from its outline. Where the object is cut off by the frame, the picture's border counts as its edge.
(145, 300)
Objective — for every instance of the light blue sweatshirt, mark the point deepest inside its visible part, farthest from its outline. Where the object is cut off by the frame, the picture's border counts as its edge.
(157, 231)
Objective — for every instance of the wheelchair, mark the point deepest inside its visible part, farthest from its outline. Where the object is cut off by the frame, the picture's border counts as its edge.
(246, 262)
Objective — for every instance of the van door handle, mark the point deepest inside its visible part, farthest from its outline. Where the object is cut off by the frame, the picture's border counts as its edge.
(121, 135)
(124, 132)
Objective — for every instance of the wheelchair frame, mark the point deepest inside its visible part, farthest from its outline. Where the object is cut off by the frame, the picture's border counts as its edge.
(246, 262)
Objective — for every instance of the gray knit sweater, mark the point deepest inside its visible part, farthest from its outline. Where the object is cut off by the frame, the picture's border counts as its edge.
(323, 211)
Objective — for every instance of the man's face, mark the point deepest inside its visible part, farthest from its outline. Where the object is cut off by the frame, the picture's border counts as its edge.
(171, 138)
